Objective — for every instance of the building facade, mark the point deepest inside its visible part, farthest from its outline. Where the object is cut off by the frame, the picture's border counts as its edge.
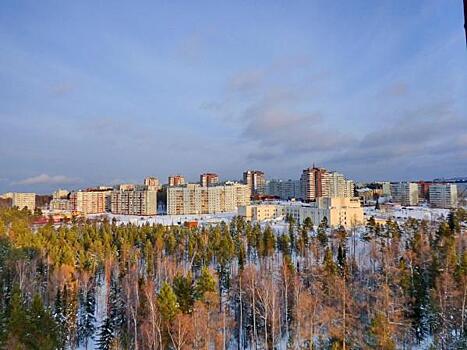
(318, 182)
(153, 182)
(60, 194)
(261, 212)
(60, 205)
(443, 195)
(197, 199)
(23, 200)
(91, 201)
(256, 182)
(129, 199)
(339, 211)
(405, 193)
(208, 179)
(287, 189)
(176, 180)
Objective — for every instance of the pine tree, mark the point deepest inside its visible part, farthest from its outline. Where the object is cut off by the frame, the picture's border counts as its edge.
(322, 236)
(205, 283)
(183, 288)
(167, 301)
(17, 327)
(43, 330)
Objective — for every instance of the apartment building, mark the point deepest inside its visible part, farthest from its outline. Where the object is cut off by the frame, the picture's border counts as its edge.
(22, 200)
(152, 181)
(208, 179)
(405, 193)
(60, 194)
(91, 201)
(256, 181)
(60, 205)
(176, 180)
(130, 199)
(386, 187)
(197, 199)
(287, 189)
(318, 182)
(336, 185)
(443, 195)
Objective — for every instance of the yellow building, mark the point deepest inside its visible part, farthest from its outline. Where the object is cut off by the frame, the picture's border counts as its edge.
(197, 199)
(23, 200)
(261, 212)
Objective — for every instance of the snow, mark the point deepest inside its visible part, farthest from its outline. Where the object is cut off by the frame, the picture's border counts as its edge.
(168, 220)
(404, 213)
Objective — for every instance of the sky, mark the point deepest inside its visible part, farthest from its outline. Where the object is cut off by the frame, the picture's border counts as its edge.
(104, 92)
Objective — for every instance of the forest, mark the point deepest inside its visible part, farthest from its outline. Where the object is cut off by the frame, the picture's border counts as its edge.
(236, 285)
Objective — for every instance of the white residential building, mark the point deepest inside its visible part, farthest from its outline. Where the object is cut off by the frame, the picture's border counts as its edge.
(405, 193)
(443, 195)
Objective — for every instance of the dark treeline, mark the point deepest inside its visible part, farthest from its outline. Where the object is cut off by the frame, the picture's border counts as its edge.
(233, 285)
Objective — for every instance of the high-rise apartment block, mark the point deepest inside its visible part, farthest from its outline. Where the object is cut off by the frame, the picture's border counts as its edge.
(287, 189)
(153, 182)
(197, 199)
(208, 179)
(176, 180)
(23, 200)
(256, 181)
(312, 183)
(405, 193)
(443, 195)
(318, 182)
(130, 199)
(91, 201)
(386, 187)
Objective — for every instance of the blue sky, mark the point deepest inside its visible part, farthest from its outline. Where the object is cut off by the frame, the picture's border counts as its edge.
(105, 92)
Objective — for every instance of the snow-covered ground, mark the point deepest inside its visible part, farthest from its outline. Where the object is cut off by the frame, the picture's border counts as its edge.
(168, 220)
(404, 213)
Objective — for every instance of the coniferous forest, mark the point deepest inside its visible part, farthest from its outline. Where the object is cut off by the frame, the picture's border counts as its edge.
(101, 285)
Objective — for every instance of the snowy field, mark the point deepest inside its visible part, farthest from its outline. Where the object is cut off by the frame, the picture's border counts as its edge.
(167, 220)
(404, 213)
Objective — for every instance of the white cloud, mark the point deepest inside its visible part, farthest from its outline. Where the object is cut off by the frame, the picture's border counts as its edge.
(45, 179)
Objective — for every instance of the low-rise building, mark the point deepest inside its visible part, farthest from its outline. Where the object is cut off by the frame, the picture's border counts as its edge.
(339, 211)
(443, 195)
(261, 212)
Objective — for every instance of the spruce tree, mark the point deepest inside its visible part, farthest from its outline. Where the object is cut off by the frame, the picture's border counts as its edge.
(105, 336)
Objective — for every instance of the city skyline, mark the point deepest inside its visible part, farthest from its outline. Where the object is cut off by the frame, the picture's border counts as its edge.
(374, 90)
